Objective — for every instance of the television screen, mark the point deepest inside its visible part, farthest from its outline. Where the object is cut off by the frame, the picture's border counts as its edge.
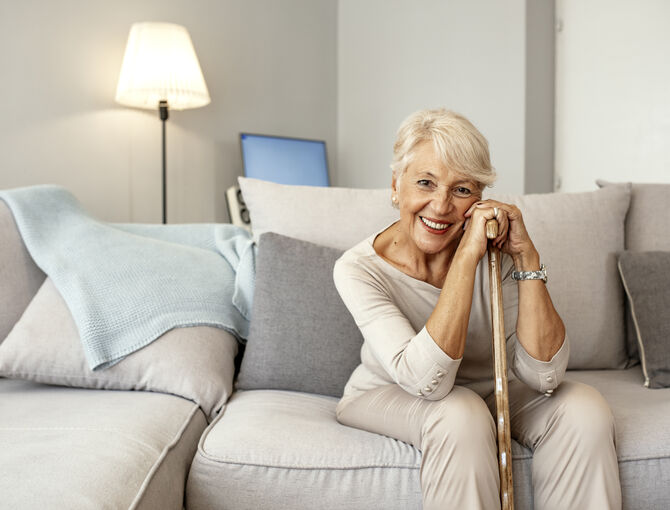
(285, 160)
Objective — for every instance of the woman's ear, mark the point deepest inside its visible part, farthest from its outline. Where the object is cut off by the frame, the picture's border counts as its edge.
(394, 193)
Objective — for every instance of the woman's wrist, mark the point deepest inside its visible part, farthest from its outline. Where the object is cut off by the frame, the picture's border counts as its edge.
(527, 260)
(465, 258)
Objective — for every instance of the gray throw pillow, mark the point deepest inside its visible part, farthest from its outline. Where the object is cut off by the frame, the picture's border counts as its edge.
(301, 336)
(647, 283)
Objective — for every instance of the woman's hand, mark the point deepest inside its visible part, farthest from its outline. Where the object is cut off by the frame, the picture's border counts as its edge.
(512, 237)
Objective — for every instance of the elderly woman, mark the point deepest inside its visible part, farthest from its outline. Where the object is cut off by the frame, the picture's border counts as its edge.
(418, 293)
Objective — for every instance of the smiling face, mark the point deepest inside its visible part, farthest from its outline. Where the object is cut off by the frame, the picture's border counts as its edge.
(432, 200)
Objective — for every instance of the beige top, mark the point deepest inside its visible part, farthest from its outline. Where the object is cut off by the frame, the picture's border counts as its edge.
(391, 309)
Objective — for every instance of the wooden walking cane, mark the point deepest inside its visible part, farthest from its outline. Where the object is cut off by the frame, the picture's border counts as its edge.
(500, 372)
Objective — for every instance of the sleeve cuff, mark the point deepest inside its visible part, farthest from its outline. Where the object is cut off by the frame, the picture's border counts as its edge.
(544, 376)
(441, 374)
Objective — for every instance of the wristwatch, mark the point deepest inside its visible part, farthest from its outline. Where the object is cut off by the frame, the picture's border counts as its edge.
(531, 275)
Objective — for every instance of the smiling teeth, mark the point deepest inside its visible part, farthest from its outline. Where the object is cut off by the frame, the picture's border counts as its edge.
(436, 226)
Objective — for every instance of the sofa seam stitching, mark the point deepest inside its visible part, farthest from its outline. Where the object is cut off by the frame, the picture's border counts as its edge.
(311, 468)
(643, 459)
(161, 457)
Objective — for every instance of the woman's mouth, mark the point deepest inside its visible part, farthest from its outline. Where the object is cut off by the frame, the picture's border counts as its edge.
(435, 226)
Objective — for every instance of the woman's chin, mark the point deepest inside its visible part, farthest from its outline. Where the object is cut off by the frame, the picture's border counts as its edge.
(431, 244)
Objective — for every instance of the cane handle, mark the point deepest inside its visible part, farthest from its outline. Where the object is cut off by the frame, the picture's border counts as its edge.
(491, 229)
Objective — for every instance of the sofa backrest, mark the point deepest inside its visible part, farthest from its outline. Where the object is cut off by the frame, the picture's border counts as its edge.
(578, 235)
(20, 278)
(648, 218)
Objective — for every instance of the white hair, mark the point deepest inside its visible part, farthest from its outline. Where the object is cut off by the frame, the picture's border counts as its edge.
(458, 143)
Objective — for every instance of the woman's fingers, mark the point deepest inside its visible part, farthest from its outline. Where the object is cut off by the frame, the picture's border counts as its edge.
(512, 234)
(469, 212)
(503, 227)
(498, 210)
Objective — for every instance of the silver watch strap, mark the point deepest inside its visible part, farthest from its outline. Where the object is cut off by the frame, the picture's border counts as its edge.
(531, 275)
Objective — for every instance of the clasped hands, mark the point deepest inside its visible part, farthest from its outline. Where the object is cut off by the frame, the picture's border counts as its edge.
(512, 239)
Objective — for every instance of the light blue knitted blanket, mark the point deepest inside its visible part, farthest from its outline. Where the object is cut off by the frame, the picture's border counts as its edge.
(126, 285)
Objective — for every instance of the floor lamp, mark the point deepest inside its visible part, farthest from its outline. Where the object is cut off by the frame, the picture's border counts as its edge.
(160, 70)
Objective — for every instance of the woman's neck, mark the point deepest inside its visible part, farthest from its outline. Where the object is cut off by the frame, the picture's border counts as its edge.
(394, 246)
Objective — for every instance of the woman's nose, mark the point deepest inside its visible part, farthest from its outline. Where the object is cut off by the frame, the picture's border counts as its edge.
(443, 203)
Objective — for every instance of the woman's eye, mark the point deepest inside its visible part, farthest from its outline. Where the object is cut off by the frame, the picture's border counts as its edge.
(423, 182)
(462, 191)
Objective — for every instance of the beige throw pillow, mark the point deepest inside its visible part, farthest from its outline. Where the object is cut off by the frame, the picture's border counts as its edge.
(19, 276)
(334, 217)
(579, 237)
(196, 363)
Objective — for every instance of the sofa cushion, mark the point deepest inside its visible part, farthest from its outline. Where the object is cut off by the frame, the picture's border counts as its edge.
(335, 217)
(301, 337)
(647, 282)
(19, 275)
(81, 449)
(642, 421)
(196, 363)
(579, 236)
(306, 459)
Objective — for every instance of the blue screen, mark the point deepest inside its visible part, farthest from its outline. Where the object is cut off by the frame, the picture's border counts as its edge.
(285, 160)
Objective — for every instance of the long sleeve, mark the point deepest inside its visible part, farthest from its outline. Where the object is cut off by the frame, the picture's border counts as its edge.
(539, 375)
(409, 358)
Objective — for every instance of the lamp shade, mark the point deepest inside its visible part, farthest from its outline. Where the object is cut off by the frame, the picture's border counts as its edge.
(160, 64)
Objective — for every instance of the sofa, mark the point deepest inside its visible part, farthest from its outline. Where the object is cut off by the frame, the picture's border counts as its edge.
(198, 420)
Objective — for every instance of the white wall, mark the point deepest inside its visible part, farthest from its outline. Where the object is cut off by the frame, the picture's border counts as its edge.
(399, 56)
(270, 67)
(612, 92)
(340, 70)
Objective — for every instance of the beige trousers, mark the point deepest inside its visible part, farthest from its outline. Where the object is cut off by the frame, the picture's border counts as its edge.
(571, 434)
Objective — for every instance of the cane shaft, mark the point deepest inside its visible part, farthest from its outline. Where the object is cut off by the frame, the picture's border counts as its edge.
(500, 377)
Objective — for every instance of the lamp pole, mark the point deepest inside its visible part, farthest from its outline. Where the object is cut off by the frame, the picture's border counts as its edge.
(163, 113)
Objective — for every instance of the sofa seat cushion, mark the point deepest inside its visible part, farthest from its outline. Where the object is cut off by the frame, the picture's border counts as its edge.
(81, 449)
(285, 450)
(642, 420)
